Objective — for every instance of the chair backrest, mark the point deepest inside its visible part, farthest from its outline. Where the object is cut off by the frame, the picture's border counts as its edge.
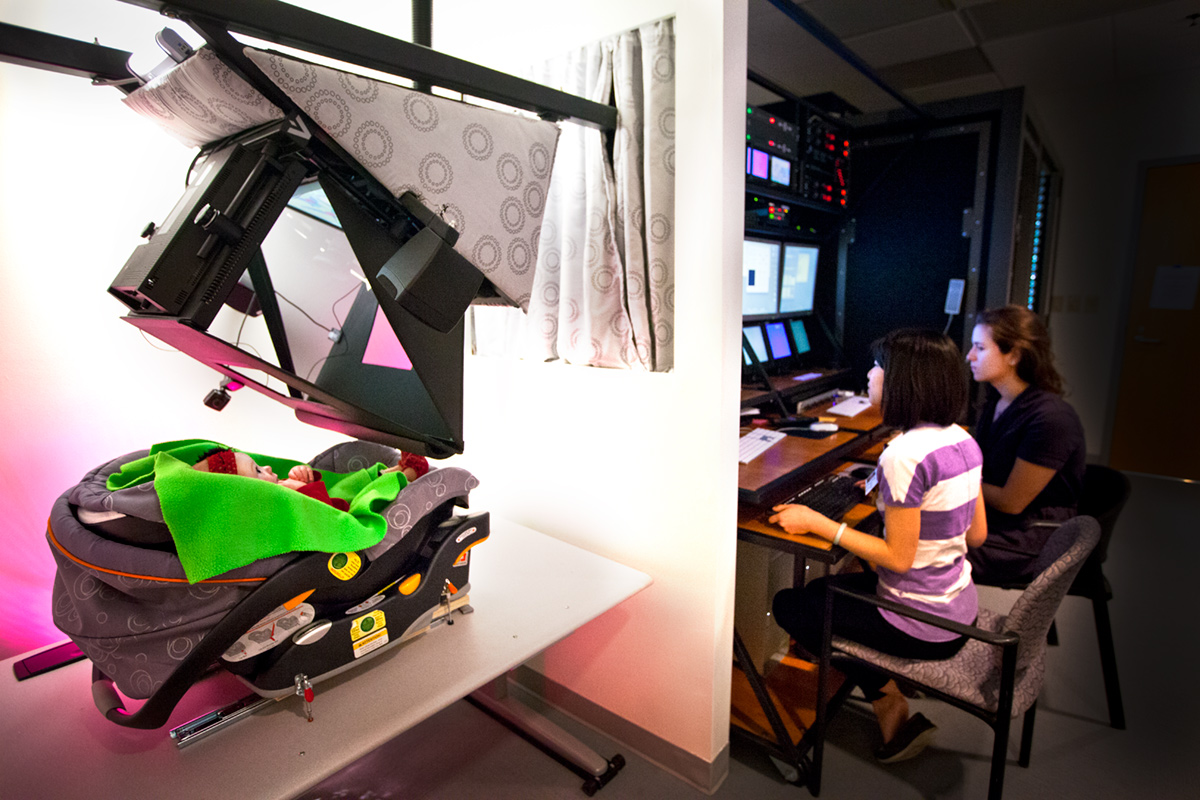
(1105, 492)
(1063, 556)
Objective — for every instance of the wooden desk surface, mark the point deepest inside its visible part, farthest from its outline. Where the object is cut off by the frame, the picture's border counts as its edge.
(528, 591)
(865, 421)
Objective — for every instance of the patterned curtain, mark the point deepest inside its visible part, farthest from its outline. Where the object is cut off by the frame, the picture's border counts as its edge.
(604, 290)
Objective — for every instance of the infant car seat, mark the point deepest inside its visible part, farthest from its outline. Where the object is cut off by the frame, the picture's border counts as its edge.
(120, 592)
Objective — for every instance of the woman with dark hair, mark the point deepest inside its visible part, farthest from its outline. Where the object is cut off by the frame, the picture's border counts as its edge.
(932, 510)
(1032, 442)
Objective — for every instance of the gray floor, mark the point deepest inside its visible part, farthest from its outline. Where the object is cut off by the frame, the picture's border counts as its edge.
(463, 754)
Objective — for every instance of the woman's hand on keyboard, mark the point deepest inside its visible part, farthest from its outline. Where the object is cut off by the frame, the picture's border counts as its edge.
(801, 519)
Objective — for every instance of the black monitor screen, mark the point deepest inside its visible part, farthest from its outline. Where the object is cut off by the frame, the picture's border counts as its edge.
(777, 338)
(760, 277)
(799, 336)
(754, 334)
(799, 278)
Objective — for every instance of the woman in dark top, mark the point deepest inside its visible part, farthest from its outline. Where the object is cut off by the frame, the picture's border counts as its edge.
(1032, 442)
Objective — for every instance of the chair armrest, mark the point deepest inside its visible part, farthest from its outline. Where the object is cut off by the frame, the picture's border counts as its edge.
(970, 631)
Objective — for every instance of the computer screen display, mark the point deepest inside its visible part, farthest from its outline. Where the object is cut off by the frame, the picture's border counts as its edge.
(760, 277)
(757, 163)
(799, 336)
(777, 338)
(781, 171)
(754, 335)
(799, 278)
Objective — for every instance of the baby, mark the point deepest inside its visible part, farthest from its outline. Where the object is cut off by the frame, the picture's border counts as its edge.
(302, 477)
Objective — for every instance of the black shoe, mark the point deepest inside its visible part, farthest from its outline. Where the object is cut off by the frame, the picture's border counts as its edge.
(913, 737)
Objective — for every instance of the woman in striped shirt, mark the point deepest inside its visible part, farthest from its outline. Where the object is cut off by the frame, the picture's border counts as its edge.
(929, 478)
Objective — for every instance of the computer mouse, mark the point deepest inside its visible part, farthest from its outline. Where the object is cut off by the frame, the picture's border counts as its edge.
(862, 473)
(824, 427)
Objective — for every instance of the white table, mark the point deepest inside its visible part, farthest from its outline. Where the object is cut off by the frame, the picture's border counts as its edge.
(528, 591)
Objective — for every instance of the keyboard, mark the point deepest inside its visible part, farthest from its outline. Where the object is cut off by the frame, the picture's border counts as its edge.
(756, 442)
(832, 496)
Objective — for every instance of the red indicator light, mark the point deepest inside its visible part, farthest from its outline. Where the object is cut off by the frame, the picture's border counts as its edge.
(846, 143)
(772, 120)
(845, 152)
(771, 142)
(843, 202)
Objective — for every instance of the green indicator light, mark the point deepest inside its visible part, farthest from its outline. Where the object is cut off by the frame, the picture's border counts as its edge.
(749, 110)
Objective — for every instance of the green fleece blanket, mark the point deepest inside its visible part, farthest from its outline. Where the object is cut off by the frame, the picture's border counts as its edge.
(222, 522)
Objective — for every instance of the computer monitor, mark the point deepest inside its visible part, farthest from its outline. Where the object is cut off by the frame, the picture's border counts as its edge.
(760, 277)
(799, 332)
(799, 278)
(781, 171)
(758, 163)
(777, 340)
(758, 342)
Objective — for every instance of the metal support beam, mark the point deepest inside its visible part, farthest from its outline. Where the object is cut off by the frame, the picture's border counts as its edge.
(314, 33)
(30, 48)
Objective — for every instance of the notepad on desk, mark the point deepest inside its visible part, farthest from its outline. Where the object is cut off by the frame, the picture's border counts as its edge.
(756, 442)
(850, 406)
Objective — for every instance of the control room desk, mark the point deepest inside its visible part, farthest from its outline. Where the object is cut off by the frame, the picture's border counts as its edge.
(528, 591)
(780, 716)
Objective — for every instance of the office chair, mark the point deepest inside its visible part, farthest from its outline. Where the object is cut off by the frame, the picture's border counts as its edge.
(999, 671)
(1105, 492)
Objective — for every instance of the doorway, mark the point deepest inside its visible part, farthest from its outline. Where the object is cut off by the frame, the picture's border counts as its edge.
(1154, 429)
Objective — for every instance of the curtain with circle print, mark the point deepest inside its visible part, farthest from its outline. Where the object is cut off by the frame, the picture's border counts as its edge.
(604, 291)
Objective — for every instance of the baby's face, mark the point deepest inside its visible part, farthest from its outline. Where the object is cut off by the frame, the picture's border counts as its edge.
(248, 467)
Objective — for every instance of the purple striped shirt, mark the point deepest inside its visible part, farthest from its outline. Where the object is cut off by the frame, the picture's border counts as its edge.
(936, 470)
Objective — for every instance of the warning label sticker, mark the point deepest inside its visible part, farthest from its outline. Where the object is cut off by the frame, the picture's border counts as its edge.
(373, 642)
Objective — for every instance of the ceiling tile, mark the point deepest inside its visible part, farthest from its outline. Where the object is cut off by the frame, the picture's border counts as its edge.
(966, 63)
(999, 20)
(931, 36)
(848, 18)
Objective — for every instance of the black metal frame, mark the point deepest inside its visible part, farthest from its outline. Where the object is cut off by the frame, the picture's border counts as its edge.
(305, 30)
(30, 48)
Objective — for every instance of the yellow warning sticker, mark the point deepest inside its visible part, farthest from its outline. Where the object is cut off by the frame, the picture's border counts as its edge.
(367, 625)
(373, 642)
(344, 566)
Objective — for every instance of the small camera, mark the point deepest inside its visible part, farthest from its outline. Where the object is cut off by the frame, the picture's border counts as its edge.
(218, 398)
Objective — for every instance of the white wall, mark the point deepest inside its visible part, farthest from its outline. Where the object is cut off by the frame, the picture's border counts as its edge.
(1100, 134)
(638, 467)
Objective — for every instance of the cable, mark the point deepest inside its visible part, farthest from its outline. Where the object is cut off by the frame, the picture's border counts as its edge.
(156, 347)
(305, 313)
